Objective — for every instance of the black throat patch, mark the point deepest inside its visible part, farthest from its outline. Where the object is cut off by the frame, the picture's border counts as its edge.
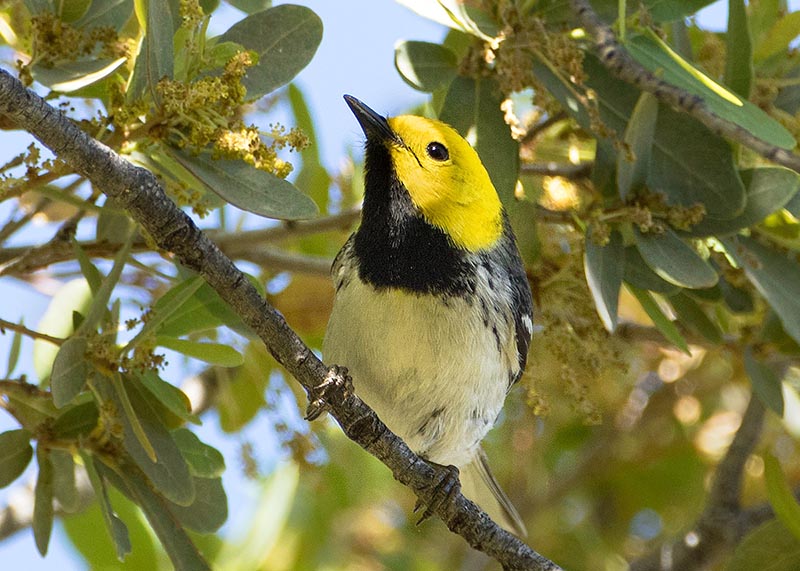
(396, 247)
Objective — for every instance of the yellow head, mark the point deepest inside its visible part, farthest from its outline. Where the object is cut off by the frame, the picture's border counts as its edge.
(442, 173)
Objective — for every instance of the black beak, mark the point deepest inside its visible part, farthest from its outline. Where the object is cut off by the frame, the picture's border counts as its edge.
(375, 126)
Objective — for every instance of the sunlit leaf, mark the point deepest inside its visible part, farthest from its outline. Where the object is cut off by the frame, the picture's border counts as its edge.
(75, 295)
(674, 260)
(15, 455)
(313, 179)
(285, 38)
(66, 77)
(779, 37)
(13, 352)
(604, 267)
(247, 187)
(766, 385)
(424, 65)
(156, 58)
(241, 397)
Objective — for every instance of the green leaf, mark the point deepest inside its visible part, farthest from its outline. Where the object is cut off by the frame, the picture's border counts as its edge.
(674, 260)
(116, 380)
(250, 6)
(692, 315)
(176, 542)
(455, 14)
(688, 163)
(775, 276)
(170, 397)
(770, 547)
(472, 107)
(15, 455)
(285, 38)
(113, 225)
(70, 370)
(204, 461)
(77, 420)
(69, 76)
(170, 474)
(632, 174)
(214, 353)
(75, 295)
(655, 55)
(114, 13)
(639, 274)
(64, 488)
(13, 352)
(661, 321)
(313, 178)
(203, 311)
(208, 511)
(604, 267)
(242, 396)
(781, 496)
(768, 189)
(166, 305)
(118, 532)
(156, 58)
(248, 188)
(739, 50)
(424, 65)
(766, 385)
(93, 276)
(43, 506)
(779, 37)
(71, 10)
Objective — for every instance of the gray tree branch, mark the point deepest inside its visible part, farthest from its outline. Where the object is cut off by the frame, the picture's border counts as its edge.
(138, 191)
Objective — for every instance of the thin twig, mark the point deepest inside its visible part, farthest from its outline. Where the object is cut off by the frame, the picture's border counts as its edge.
(10, 325)
(617, 59)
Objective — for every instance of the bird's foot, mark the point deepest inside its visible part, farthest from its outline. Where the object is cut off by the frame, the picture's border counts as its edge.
(445, 485)
(337, 378)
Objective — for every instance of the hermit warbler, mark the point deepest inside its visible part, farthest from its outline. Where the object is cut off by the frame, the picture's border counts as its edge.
(432, 315)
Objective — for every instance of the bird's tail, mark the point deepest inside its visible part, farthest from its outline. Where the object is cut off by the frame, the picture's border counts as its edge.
(479, 485)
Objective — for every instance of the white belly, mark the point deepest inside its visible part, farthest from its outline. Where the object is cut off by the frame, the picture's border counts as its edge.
(429, 366)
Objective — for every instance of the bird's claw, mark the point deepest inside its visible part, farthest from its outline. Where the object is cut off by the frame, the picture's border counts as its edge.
(445, 486)
(336, 378)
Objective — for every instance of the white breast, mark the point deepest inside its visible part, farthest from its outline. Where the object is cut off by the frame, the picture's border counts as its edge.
(433, 369)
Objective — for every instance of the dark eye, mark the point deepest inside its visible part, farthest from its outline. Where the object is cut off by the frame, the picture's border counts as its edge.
(437, 151)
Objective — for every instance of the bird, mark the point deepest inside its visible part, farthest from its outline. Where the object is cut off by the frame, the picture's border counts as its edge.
(432, 313)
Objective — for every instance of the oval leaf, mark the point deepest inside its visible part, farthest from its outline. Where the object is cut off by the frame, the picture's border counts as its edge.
(71, 76)
(781, 496)
(70, 370)
(639, 274)
(424, 65)
(214, 353)
(285, 38)
(15, 455)
(248, 188)
(674, 260)
(632, 174)
(604, 267)
(768, 190)
(204, 461)
(776, 277)
(209, 509)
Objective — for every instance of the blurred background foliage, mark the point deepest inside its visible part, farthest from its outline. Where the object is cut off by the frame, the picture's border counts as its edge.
(662, 258)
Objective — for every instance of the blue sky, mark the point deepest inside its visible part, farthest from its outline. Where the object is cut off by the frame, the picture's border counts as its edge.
(356, 57)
